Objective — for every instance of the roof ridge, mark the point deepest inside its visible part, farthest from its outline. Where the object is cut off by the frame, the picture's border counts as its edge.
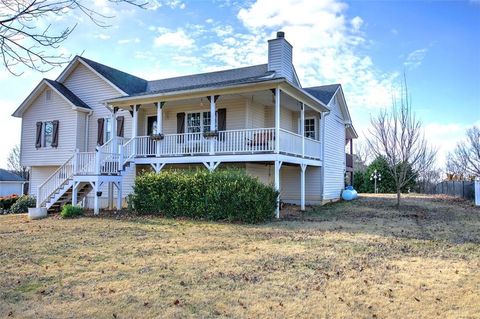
(110, 67)
(209, 73)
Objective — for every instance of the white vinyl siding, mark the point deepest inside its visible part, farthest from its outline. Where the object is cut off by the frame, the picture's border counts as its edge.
(38, 175)
(93, 90)
(290, 182)
(334, 161)
(42, 111)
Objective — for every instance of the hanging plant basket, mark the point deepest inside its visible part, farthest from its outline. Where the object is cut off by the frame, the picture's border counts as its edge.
(157, 137)
(210, 134)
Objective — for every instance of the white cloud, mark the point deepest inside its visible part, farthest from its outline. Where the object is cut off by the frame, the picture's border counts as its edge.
(357, 23)
(127, 41)
(326, 46)
(172, 4)
(102, 36)
(178, 39)
(10, 127)
(445, 136)
(415, 58)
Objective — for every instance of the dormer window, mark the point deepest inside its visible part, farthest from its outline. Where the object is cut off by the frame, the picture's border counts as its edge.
(48, 95)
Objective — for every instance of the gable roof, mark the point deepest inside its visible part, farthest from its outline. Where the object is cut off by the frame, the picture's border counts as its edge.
(69, 95)
(59, 88)
(128, 83)
(324, 92)
(9, 176)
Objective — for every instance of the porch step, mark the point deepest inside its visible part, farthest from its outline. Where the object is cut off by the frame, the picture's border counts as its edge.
(66, 197)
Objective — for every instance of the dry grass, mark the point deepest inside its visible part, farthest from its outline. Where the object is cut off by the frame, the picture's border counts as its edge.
(360, 259)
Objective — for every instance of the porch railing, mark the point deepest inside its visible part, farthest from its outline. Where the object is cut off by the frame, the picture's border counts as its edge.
(243, 141)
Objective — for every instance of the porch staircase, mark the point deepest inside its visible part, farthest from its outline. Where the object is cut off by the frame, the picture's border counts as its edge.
(83, 169)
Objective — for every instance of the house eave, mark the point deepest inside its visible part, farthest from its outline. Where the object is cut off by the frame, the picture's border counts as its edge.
(239, 88)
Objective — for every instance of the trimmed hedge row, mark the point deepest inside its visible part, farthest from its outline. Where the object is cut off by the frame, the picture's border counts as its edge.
(220, 195)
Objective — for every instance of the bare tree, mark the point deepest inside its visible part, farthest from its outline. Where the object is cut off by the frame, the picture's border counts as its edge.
(396, 134)
(360, 157)
(464, 161)
(14, 165)
(23, 40)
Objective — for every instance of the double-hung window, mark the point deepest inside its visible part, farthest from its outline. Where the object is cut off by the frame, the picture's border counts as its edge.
(108, 129)
(310, 128)
(199, 122)
(47, 133)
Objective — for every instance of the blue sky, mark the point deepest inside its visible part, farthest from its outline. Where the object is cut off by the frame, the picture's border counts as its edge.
(365, 45)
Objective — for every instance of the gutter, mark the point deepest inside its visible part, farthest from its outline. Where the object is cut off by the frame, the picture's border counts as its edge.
(192, 91)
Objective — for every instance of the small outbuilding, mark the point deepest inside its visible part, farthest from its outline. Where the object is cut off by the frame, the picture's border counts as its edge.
(10, 183)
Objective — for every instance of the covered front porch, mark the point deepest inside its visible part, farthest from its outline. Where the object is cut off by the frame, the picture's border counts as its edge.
(266, 122)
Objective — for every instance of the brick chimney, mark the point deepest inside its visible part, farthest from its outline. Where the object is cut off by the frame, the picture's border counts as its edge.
(280, 57)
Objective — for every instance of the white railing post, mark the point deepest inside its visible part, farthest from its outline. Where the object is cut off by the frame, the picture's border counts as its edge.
(97, 162)
(120, 158)
(302, 128)
(277, 120)
(75, 162)
(38, 197)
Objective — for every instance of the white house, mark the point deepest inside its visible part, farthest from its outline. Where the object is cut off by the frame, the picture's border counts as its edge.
(88, 133)
(10, 183)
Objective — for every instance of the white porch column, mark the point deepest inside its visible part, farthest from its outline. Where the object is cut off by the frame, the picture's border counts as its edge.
(160, 117)
(135, 127)
(74, 194)
(212, 123)
(119, 195)
(303, 168)
(96, 198)
(277, 120)
(159, 124)
(110, 195)
(113, 119)
(278, 165)
(302, 128)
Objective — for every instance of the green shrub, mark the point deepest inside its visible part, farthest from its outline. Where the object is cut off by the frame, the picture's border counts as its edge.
(22, 204)
(70, 211)
(221, 195)
(6, 202)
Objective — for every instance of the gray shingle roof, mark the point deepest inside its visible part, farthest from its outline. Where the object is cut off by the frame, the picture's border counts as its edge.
(206, 79)
(128, 83)
(67, 94)
(324, 92)
(9, 176)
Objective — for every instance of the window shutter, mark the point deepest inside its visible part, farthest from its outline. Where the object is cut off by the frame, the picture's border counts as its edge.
(55, 134)
(222, 122)
(38, 139)
(120, 123)
(100, 127)
(180, 126)
(222, 119)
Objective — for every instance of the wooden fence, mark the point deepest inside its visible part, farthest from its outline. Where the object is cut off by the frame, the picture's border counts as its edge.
(463, 189)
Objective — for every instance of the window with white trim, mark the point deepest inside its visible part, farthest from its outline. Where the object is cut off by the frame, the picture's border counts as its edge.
(199, 122)
(107, 132)
(47, 133)
(310, 128)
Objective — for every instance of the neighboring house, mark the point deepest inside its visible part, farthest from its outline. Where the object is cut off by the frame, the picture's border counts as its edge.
(95, 128)
(10, 183)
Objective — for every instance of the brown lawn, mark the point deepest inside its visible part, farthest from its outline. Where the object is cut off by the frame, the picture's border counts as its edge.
(362, 259)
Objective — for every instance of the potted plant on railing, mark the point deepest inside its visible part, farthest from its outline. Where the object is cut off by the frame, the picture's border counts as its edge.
(210, 134)
(157, 137)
